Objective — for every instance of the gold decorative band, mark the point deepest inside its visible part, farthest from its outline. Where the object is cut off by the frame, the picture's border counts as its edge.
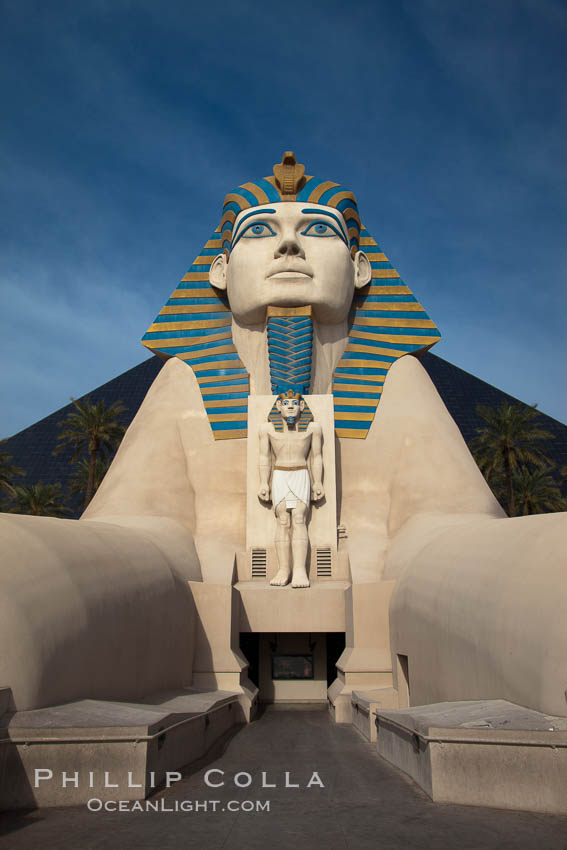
(202, 276)
(381, 273)
(288, 311)
(236, 434)
(351, 433)
(290, 468)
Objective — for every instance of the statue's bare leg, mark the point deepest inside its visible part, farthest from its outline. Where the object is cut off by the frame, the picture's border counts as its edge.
(299, 544)
(282, 545)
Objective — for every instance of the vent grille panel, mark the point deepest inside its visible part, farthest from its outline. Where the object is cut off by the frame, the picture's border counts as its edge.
(324, 562)
(259, 563)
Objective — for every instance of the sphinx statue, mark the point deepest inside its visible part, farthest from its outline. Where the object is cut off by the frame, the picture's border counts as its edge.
(291, 293)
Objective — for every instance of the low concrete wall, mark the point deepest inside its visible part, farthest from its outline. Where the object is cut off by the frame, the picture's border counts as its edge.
(480, 753)
(365, 704)
(68, 755)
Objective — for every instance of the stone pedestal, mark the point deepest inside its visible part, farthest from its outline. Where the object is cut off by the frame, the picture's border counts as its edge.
(319, 608)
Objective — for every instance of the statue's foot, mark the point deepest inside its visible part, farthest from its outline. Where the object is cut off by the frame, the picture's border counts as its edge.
(300, 578)
(281, 578)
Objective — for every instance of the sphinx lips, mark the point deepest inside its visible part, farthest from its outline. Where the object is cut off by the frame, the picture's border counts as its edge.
(289, 271)
(289, 275)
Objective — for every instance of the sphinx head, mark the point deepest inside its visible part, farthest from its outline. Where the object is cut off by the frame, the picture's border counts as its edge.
(291, 251)
(290, 405)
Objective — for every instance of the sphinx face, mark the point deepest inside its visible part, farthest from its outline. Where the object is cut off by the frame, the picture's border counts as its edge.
(290, 255)
(290, 409)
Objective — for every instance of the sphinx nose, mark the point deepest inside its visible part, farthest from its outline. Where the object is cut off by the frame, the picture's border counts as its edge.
(289, 246)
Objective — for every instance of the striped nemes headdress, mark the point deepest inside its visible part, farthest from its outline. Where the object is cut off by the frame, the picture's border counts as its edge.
(386, 320)
(275, 416)
(290, 183)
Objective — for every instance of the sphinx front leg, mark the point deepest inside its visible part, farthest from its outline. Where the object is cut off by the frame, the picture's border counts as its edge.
(282, 545)
(299, 545)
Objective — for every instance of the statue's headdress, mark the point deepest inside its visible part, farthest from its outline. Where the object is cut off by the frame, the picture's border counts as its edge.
(386, 320)
(290, 183)
(305, 417)
(289, 394)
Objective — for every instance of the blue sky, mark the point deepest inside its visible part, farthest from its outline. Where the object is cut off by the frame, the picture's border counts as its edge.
(124, 124)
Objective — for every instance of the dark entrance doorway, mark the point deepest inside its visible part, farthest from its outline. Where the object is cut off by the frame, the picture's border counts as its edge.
(250, 648)
(335, 647)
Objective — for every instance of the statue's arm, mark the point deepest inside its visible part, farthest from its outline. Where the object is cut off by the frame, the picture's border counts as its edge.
(264, 464)
(317, 461)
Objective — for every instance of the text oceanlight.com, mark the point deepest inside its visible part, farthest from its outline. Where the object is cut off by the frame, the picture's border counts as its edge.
(163, 805)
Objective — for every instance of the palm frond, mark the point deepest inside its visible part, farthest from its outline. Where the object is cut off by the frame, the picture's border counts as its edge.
(91, 427)
(537, 491)
(7, 473)
(507, 440)
(39, 500)
(78, 482)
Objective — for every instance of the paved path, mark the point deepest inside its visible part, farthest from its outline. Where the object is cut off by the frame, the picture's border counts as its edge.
(365, 804)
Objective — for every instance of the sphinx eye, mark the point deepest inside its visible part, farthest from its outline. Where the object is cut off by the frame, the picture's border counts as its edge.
(320, 228)
(258, 230)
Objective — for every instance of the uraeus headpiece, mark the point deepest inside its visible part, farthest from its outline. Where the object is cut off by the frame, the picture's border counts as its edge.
(386, 320)
(290, 183)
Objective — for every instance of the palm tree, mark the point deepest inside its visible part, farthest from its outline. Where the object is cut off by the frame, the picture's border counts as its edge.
(39, 500)
(93, 428)
(537, 491)
(507, 440)
(79, 480)
(7, 473)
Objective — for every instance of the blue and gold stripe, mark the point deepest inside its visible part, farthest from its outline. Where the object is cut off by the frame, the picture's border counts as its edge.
(195, 325)
(386, 322)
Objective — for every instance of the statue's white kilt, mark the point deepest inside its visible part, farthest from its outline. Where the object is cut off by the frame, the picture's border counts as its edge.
(291, 485)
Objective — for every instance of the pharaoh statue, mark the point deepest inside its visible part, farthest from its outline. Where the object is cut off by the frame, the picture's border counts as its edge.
(102, 606)
(290, 488)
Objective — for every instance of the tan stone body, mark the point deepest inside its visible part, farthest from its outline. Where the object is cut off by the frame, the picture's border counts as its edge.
(475, 610)
(412, 499)
(410, 493)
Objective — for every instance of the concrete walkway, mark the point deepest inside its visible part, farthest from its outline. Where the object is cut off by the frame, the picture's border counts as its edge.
(365, 804)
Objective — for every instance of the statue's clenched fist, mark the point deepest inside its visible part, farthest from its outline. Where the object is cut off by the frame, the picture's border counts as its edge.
(317, 492)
